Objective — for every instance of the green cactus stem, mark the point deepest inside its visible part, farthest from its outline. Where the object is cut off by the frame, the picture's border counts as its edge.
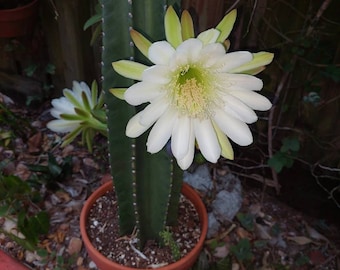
(146, 185)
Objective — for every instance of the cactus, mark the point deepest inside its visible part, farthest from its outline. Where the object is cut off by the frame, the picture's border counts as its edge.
(147, 186)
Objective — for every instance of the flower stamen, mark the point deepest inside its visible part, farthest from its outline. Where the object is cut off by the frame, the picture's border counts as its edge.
(190, 94)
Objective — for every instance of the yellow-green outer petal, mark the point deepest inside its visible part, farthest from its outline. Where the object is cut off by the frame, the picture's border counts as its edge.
(129, 69)
(187, 25)
(172, 27)
(226, 148)
(259, 60)
(141, 42)
(118, 92)
(226, 25)
(67, 93)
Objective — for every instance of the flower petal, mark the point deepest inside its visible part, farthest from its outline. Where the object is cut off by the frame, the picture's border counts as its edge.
(226, 25)
(188, 51)
(133, 128)
(61, 105)
(129, 69)
(180, 137)
(209, 36)
(211, 53)
(141, 42)
(62, 126)
(240, 81)
(207, 140)
(259, 59)
(172, 27)
(253, 100)
(161, 52)
(118, 92)
(187, 25)
(235, 129)
(153, 111)
(161, 132)
(187, 160)
(157, 74)
(226, 148)
(232, 60)
(142, 92)
(243, 112)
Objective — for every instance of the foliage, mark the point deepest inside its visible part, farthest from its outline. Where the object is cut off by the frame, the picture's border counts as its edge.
(242, 251)
(95, 21)
(246, 220)
(285, 157)
(20, 200)
(50, 174)
(12, 126)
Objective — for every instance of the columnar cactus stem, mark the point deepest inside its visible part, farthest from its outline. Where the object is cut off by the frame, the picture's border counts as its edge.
(143, 182)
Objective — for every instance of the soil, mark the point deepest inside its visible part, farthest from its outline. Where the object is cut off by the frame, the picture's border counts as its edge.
(266, 234)
(103, 230)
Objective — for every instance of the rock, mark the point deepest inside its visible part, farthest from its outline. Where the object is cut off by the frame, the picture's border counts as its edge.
(226, 205)
(200, 179)
(228, 182)
(74, 246)
(92, 265)
(30, 256)
(213, 225)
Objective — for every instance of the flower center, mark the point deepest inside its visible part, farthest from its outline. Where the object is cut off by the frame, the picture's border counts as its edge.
(190, 91)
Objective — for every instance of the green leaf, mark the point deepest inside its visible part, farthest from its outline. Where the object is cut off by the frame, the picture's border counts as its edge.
(246, 220)
(277, 161)
(93, 20)
(29, 71)
(53, 166)
(290, 143)
(242, 251)
(4, 209)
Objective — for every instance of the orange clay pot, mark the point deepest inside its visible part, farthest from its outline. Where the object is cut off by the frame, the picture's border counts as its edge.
(104, 263)
(18, 21)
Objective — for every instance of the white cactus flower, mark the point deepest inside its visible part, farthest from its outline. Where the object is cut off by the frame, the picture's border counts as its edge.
(197, 93)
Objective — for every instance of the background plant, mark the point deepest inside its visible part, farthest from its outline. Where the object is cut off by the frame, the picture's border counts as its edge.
(20, 203)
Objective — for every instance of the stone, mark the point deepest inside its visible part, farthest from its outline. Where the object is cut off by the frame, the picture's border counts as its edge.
(213, 225)
(74, 246)
(228, 200)
(200, 179)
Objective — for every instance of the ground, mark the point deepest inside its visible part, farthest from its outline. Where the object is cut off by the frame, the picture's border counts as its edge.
(265, 234)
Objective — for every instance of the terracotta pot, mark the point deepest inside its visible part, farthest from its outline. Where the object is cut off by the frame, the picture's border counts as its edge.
(104, 263)
(18, 21)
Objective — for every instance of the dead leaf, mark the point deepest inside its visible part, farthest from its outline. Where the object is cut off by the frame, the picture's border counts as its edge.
(315, 234)
(262, 232)
(22, 171)
(242, 233)
(67, 150)
(316, 257)
(34, 143)
(90, 162)
(300, 240)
